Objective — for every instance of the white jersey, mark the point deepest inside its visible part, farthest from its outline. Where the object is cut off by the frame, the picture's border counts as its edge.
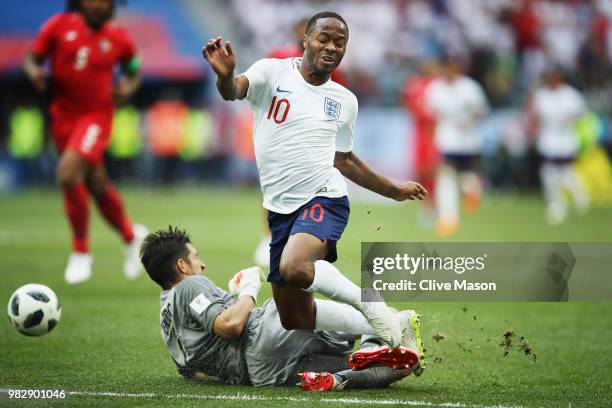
(457, 106)
(297, 129)
(557, 111)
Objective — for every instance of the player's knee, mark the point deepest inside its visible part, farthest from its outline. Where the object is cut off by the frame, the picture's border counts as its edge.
(66, 175)
(297, 272)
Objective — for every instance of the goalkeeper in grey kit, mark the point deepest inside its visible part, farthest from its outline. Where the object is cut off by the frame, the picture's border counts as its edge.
(208, 332)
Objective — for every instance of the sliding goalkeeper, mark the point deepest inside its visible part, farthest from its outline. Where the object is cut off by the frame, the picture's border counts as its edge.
(209, 333)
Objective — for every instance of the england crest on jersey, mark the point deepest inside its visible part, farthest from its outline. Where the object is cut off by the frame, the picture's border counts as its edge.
(331, 108)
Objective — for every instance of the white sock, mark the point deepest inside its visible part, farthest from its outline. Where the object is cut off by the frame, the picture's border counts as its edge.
(552, 182)
(330, 282)
(470, 182)
(577, 189)
(334, 316)
(447, 193)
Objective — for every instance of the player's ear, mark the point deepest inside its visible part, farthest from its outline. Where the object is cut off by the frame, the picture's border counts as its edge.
(181, 266)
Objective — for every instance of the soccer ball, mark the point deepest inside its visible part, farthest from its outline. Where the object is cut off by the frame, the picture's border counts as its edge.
(34, 309)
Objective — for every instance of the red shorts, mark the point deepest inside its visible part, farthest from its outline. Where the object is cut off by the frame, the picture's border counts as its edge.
(87, 134)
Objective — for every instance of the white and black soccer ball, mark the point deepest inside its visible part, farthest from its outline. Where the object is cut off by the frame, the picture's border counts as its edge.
(34, 309)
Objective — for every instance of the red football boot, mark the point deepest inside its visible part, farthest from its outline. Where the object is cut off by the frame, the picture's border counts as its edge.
(398, 359)
(317, 381)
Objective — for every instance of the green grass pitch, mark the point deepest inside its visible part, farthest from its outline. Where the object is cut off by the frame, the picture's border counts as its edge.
(108, 340)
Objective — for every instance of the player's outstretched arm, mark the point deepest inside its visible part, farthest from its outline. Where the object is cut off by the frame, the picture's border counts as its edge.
(223, 61)
(360, 173)
(32, 66)
(231, 322)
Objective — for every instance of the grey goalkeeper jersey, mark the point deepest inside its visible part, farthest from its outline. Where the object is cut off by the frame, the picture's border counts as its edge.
(265, 353)
(187, 314)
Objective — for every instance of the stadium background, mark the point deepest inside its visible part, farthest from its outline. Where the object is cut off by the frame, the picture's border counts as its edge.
(176, 129)
(183, 156)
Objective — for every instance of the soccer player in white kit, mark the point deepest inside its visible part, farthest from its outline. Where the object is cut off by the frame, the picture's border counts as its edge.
(556, 107)
(303, 136)
(457, 103)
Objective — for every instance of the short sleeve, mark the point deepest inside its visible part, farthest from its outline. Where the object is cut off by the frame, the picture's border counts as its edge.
(258, 75)
(128, 47)
(202, 301)
(346, 133)
(45, 40)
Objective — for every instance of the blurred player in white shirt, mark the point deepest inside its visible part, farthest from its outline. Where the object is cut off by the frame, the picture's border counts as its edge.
(458, 103)
(555, 107)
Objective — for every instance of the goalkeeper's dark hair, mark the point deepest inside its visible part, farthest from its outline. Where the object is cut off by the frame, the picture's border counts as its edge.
(324, 14)
(161, 250)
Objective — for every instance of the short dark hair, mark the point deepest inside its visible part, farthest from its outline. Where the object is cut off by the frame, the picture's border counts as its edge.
(324, 14)
(160, 251)
(75, 5)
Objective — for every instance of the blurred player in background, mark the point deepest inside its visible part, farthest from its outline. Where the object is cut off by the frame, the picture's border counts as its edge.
(555, 107)
(292, 50)
(457, 103)
(84, 45)
(425, 152)
(303, 137)
(209, 333)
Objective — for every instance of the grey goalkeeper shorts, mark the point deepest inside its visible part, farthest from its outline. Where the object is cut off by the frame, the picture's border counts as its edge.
(272, 353)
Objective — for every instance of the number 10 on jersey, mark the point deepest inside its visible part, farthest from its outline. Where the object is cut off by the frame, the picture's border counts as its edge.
(278, 110)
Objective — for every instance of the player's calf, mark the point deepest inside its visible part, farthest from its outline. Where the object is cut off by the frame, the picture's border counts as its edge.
(296, 308)
(71, 169)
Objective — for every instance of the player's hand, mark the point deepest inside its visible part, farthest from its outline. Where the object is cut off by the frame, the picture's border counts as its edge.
(39, 78)
(221, 58)
(409, 190)
(246, 282)
(122, 91)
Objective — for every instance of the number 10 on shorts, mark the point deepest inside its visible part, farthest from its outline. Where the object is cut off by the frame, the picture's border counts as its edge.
(279, 110)
(316, 213)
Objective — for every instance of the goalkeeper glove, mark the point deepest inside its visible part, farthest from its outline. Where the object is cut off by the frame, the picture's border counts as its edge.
(246, 282)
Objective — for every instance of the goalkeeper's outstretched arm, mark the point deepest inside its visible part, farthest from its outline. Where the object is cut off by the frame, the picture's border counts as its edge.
(231, 322)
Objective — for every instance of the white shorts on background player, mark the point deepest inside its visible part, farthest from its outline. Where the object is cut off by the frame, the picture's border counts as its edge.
(297, 129)
(456, 107)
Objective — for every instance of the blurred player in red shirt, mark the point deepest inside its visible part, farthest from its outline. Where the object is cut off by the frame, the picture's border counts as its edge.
(426, 156)
(292, 50)
(84, 45)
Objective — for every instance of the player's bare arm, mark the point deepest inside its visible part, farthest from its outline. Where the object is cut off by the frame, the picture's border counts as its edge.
(32, 66)
(223, 61)
(231, 322)
(129, 82)
(360, 173)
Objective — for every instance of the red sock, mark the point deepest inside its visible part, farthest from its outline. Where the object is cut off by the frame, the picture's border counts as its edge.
(111, 207)
(429, 183)
(76, 204)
